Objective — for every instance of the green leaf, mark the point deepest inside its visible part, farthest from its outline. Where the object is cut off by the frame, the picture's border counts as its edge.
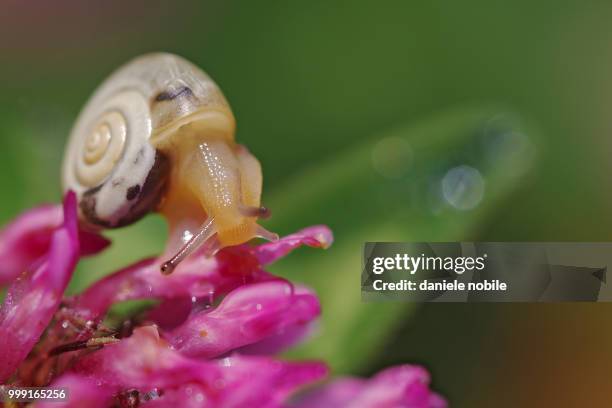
(391, 189)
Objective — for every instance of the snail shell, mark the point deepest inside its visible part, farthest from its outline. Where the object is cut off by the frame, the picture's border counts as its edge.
(111, 160)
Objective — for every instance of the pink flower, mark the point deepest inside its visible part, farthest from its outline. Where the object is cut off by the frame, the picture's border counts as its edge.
(83, 389)
(403, 386)
(247, 315)
(206, 343)
(35, 295)
(148, 364)
(196, 277)
(27, 239)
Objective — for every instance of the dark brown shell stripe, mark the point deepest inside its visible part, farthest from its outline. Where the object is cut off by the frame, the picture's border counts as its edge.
(147, 196)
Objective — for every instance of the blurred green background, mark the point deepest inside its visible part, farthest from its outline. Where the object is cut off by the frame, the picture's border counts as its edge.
(357, 111)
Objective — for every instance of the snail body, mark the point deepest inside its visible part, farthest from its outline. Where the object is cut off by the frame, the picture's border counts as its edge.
(158, 135)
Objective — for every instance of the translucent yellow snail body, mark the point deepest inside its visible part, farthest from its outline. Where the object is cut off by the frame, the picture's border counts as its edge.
(158, 135)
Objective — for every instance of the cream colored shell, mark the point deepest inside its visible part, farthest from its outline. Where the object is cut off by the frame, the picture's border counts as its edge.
(109, 155)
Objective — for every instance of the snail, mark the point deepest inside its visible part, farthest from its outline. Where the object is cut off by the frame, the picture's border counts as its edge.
(158, 136)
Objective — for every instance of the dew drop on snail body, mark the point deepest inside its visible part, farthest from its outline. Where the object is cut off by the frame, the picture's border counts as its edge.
(158, 135)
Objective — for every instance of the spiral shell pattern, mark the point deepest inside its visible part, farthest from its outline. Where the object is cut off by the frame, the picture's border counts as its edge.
(110, 160)
(109, 153)
(101, 149)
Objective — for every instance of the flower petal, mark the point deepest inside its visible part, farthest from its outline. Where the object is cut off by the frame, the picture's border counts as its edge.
(246, 315)
(195, 277)
(32, 300)
(245, 382)
(248, 381)
(81, 392)
(145, 361)
(280, 341)
(338, 393)
(142, 361)
(317, 236)
(25, 240)
(92, 243)
(404, 386)
(171, 313)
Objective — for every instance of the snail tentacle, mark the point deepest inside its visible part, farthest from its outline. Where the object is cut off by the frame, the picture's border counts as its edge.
(206, 232)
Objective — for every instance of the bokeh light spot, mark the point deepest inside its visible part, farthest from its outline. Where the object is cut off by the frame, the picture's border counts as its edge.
(463, 187)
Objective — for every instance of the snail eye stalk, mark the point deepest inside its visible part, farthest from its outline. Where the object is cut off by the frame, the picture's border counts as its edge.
(205, 234)
(259, 212)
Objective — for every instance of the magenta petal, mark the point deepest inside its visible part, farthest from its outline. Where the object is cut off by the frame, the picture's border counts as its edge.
(81, 392)
(171, 313)
(318, 236)
(25, 240)
(264, 382)
(246, 315)
(196, 277)
(144, 361)
(403, 386)
(33, 299)
(338, 393)
(245, 382)
(132, 282)
(190, 395)
(92, 243)
(280, 341)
